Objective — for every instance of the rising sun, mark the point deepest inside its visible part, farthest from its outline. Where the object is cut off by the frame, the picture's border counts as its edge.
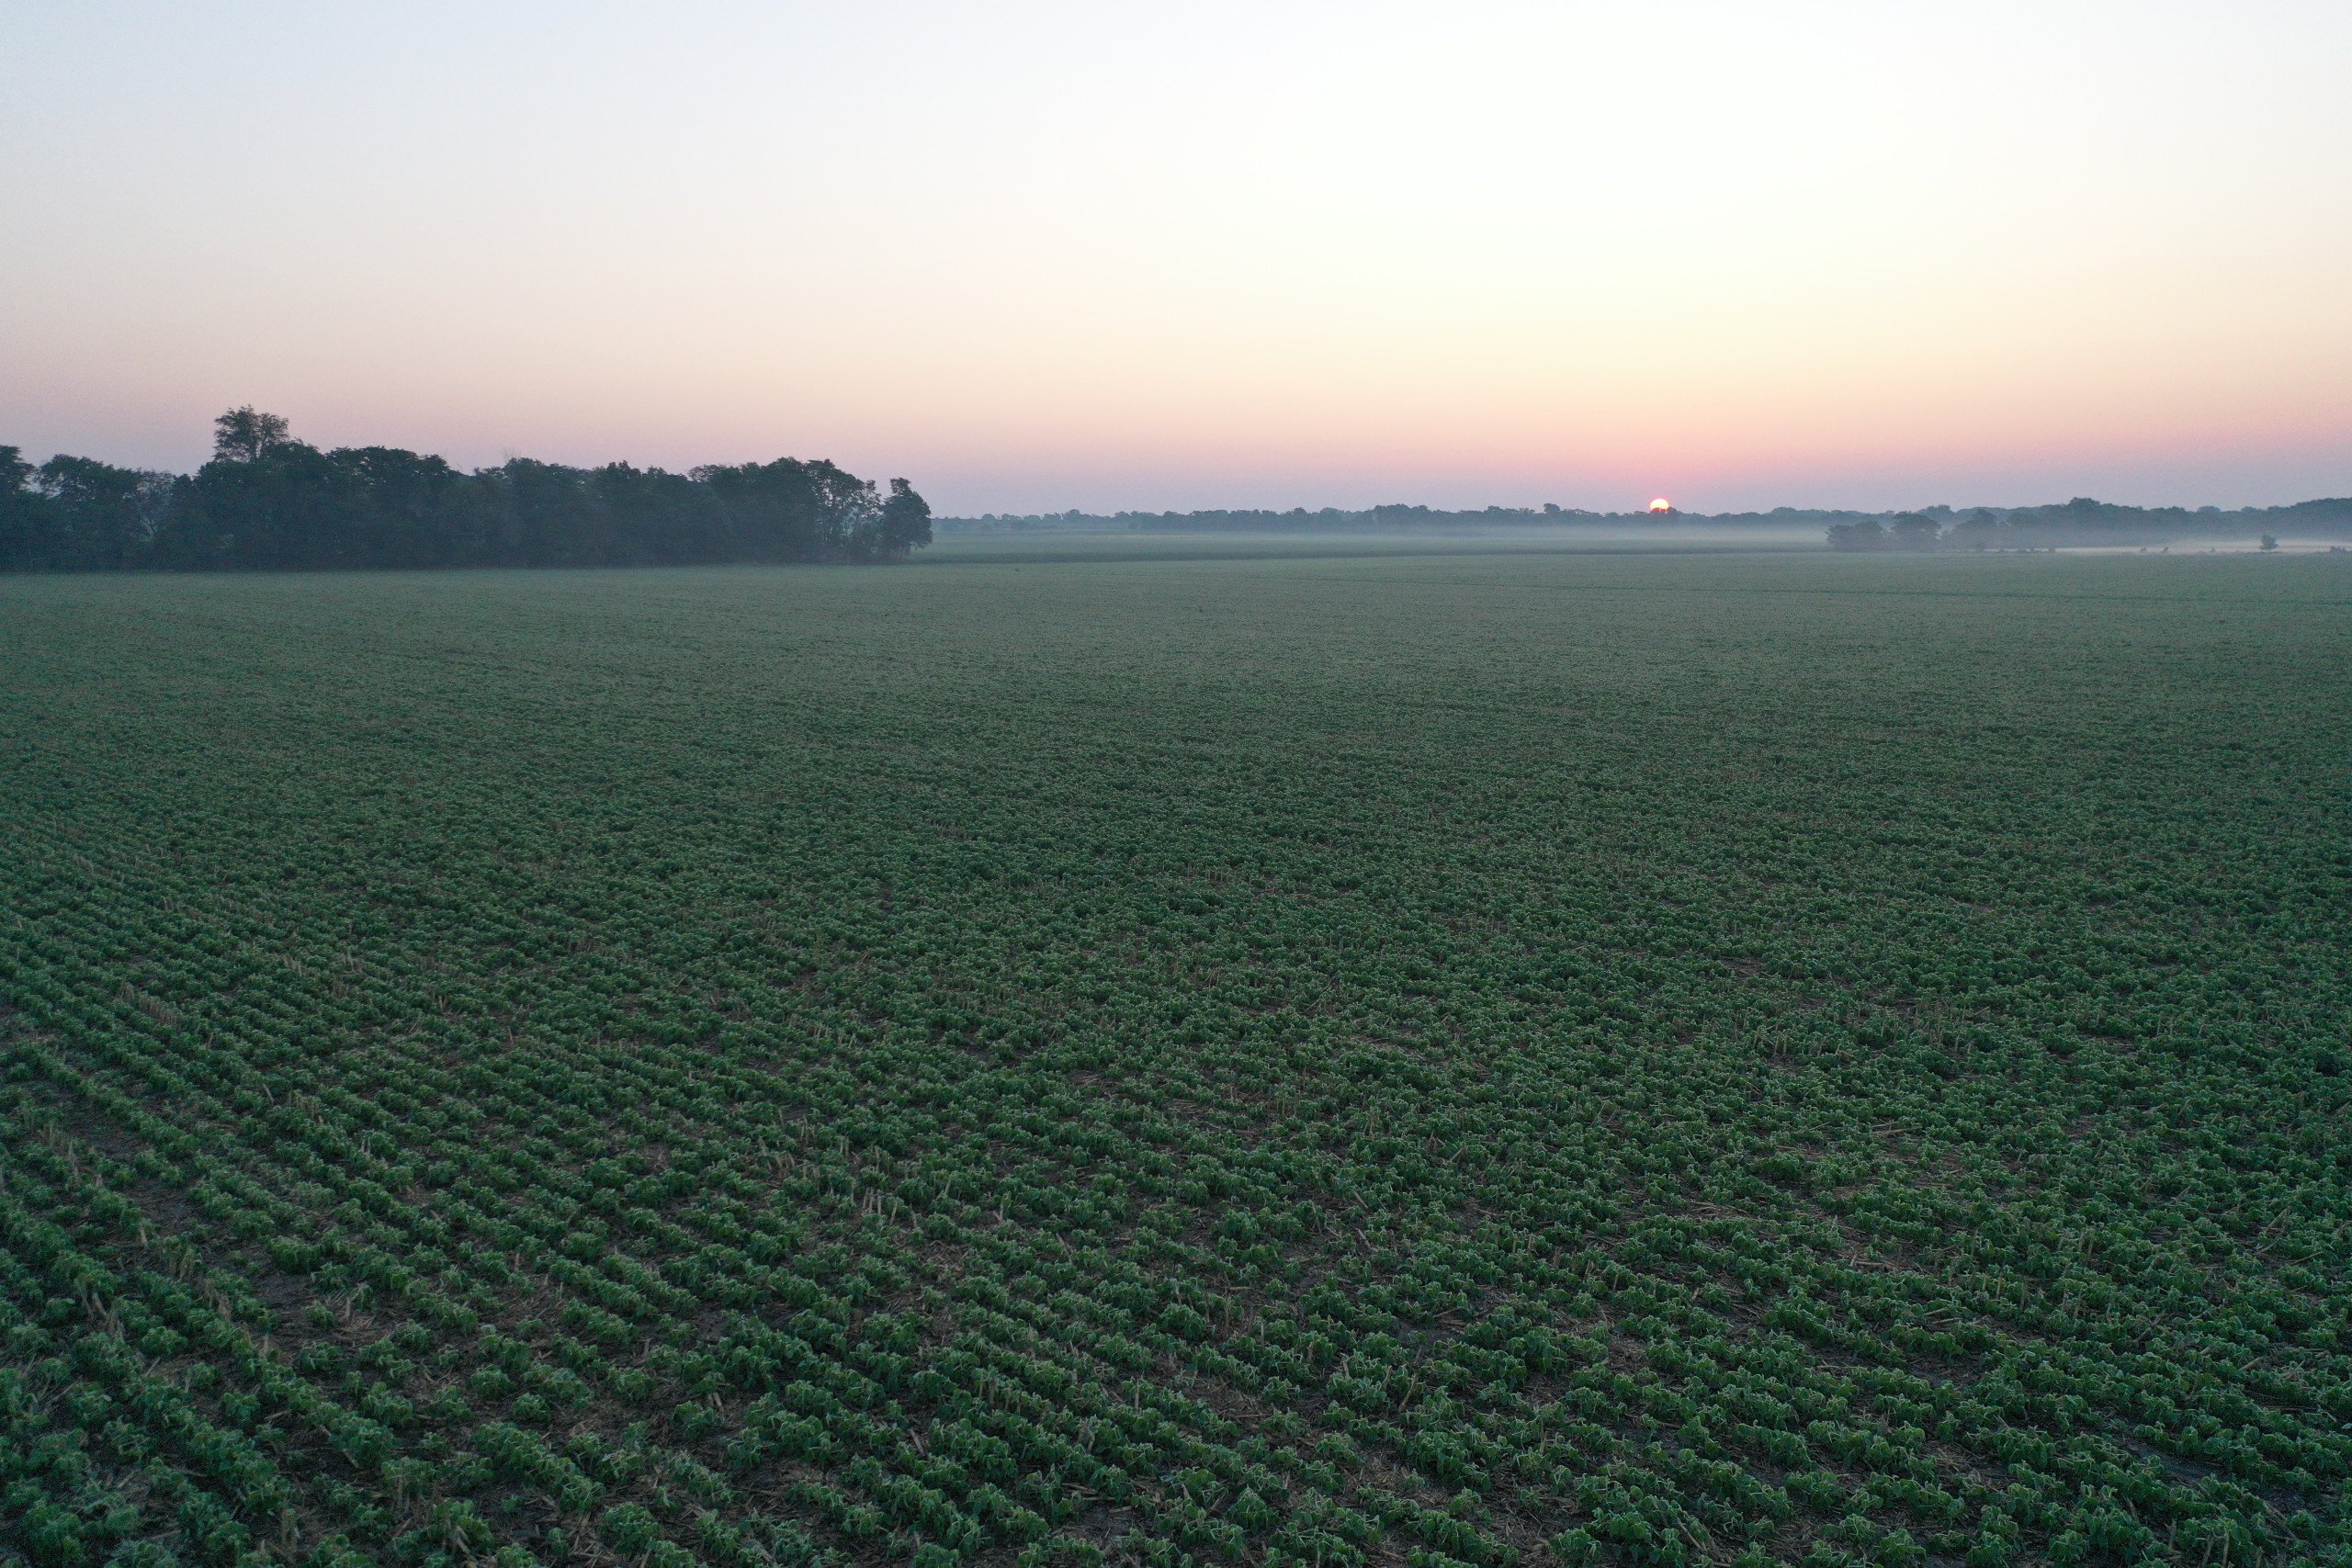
(1661, 504)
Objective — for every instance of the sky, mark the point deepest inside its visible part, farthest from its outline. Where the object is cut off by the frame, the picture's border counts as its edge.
(1100, 256)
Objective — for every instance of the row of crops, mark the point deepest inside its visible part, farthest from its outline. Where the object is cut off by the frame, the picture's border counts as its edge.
(1330, 1063)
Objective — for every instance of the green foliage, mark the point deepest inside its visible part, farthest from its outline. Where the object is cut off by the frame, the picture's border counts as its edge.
(269, 501)
(1325, 1061)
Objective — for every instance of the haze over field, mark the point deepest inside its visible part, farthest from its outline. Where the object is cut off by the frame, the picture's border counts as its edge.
(1044, 256)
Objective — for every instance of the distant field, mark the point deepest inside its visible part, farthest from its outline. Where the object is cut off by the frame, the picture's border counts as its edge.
(1199, 1056)
(1143, 544)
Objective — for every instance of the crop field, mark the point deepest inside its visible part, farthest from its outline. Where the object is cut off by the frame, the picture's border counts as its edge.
(1181, 1056)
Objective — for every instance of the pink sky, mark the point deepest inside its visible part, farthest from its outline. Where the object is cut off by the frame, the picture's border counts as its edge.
(1103, 257)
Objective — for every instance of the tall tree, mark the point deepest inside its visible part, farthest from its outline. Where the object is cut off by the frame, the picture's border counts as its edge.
(906, 521)
(242, 435)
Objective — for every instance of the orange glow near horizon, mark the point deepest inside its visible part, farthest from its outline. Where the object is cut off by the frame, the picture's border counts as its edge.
(1661, 504)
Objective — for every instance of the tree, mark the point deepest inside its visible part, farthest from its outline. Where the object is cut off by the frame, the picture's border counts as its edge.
(906, 522)
(1867, 534)
(2270, 541)
(848, 513)
(1914, 531)
(242, 435)
(543, 514)
(1976, 530)
(101, 518)
(290, 506)
(22, 513)
(419, 511)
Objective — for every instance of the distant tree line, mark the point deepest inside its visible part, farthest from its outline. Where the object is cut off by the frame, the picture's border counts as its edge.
(2083, 520)
(1245, 519)
(1903, 531)
(2077, 522)
(269, 501)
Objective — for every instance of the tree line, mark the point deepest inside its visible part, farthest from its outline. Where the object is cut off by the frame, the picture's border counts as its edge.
(266, 501)
(2083, 521)
(2080, 520)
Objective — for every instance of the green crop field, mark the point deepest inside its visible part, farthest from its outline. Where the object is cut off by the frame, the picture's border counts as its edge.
(1180, 1053)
